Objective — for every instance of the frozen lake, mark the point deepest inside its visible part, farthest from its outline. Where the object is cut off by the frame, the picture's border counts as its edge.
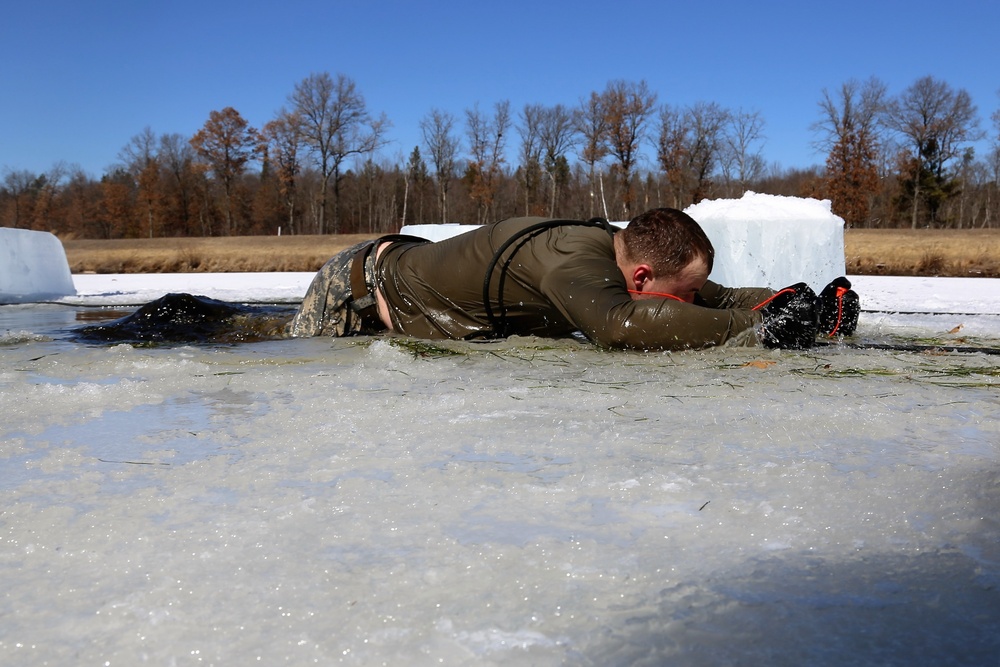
(378, 501)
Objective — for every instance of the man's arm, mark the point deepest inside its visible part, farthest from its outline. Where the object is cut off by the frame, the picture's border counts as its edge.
(714, 295)
(591, 293)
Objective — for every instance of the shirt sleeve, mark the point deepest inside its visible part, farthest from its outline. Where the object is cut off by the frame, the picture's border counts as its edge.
(590, 291)
(715, 295)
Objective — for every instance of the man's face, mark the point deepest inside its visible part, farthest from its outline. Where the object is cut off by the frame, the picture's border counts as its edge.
(683, 285)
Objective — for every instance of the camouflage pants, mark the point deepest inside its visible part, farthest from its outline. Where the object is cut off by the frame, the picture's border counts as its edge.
(326, 307)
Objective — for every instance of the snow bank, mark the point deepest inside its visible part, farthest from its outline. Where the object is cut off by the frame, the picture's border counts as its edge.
(135, 289)
(33, 267)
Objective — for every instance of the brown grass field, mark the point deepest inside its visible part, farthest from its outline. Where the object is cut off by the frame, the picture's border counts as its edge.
(894, 252)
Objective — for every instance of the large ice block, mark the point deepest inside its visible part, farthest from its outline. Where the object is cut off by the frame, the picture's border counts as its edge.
(33, 267)
(771, 241)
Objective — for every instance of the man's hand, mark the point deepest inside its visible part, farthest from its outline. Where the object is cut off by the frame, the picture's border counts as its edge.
(789, 318)
(837, 308)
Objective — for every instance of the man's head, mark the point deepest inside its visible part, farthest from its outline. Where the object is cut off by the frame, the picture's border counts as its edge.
(664, 251)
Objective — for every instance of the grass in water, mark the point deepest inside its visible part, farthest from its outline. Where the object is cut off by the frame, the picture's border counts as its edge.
(420, 348)
(943, 375)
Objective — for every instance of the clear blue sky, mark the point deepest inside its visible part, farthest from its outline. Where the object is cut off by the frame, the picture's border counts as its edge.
(79, 79)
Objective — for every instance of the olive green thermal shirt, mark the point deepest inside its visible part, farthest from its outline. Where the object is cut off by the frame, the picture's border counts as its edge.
(558, 281)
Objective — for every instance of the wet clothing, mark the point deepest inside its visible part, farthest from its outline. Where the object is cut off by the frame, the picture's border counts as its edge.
(550, 283)
(327, 308)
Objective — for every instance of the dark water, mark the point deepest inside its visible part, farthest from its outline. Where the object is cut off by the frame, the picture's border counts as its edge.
(173, 318)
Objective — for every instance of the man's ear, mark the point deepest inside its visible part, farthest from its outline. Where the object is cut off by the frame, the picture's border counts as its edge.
(640, 275)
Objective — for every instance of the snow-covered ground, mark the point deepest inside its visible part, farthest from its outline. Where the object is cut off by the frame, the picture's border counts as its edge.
(378, 501)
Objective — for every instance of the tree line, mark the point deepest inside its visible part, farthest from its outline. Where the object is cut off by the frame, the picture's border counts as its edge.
(318, 167)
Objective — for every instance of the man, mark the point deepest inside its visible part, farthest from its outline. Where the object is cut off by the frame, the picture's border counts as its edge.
(643, 287)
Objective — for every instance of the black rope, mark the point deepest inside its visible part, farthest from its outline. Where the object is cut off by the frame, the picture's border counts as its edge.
(499, 323)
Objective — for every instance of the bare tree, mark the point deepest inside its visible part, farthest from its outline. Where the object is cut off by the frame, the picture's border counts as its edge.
(995, 117)
(81, 202)
(993, 190)
(938, 122)
(283, 138)
(487, 145)
(17, 187)
(227, 143)
(591, 121)
(335, 124)
(690, 148)
(850, 128)
(530, 129)
(116, 205)
(415, 173)
(46, 189)
(627, 106)
(742, 161)
(437, 129)
(176, 156)
(556, 135)
(672, 152)
(141, 161)
(139, 151)
(707, 121)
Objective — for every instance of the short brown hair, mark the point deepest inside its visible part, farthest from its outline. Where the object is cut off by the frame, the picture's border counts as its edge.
(667, 240)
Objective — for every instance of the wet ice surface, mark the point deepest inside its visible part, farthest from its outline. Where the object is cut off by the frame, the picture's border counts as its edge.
(376, 501)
